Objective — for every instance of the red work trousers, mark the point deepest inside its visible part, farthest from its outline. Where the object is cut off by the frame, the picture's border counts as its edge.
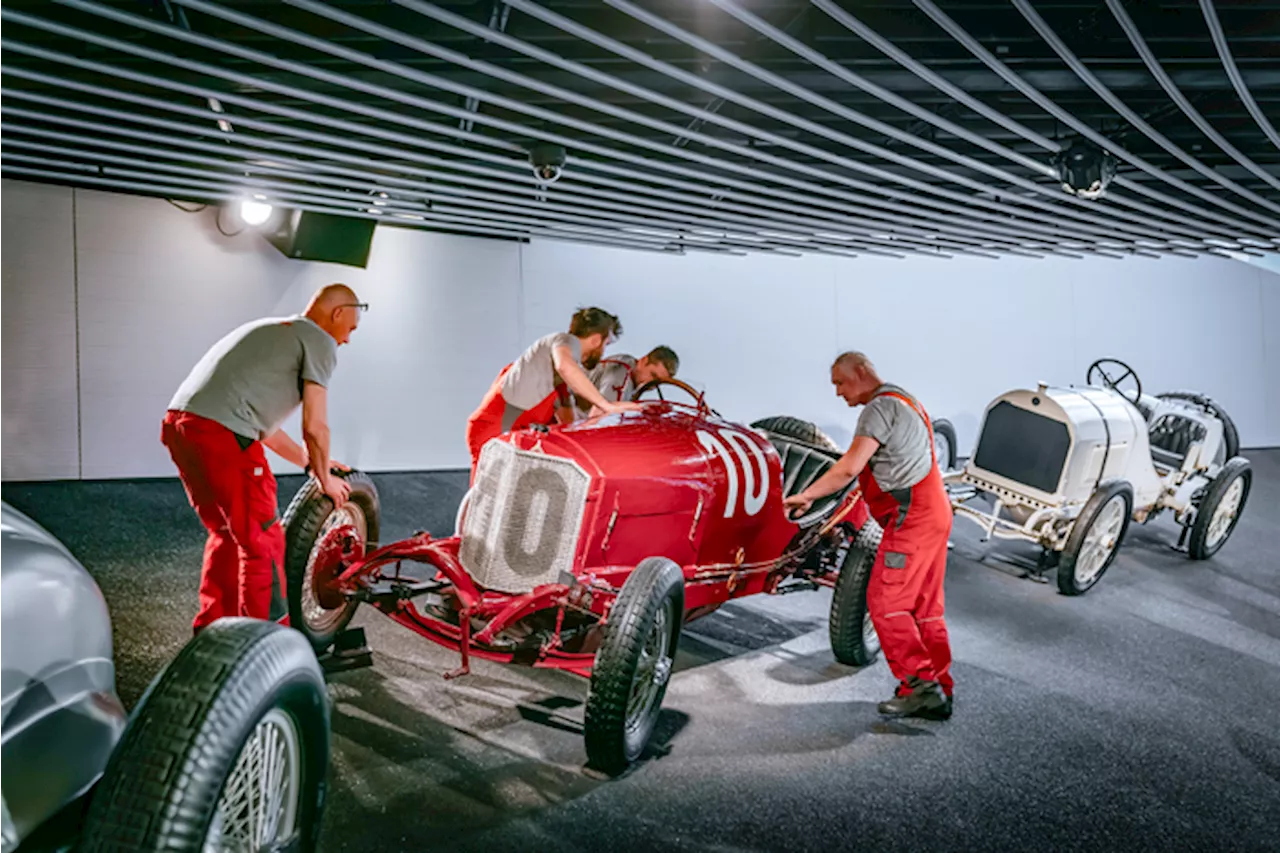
(904, 594)
(486, 421)
(233, 491)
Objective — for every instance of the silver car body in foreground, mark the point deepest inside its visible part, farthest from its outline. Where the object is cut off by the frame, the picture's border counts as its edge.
(61, 715)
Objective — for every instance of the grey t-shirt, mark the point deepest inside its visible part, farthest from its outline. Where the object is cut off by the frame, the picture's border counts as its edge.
(532, 377)
(252, 379)
(904, 457)
(612, 377)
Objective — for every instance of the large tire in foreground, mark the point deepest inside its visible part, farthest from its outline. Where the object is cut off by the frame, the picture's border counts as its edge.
(944, 443)
(229, 747)
(633, 666)
(1230, 435)
(853, 638)
(1220, 509)
(799, 430)
(321, 614)
(1095, 537)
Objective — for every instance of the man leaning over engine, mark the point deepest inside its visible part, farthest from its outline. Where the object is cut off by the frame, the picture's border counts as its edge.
(535, 388)
(892, 457)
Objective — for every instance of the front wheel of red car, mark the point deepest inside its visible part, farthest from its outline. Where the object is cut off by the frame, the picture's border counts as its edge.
(633, 666)
(316, 537)
(853, 638)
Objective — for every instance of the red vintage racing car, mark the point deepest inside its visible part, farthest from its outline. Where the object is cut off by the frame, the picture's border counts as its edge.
(586, 547)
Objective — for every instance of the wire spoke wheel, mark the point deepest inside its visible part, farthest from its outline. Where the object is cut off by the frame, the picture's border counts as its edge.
(258, 808)
(652, 671)
(323, 608)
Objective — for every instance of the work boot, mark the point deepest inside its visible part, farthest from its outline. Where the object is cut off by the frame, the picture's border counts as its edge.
(943, 713)
(925, 696)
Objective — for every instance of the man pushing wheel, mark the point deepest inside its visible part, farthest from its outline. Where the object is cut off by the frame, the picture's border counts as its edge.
(892, 456)
(225, 412)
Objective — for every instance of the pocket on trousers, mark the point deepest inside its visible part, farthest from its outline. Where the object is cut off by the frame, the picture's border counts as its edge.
(261, 499)
(896, 561)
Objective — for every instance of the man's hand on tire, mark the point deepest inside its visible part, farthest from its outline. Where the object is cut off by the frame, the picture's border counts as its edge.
(337, 489)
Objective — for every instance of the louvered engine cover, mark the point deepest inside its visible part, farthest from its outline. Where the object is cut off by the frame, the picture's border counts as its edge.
(522, 520)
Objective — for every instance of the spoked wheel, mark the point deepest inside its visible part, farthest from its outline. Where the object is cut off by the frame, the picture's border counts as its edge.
(1095, 537)
(633, 666)
(319, 543)
(259, 803)
(854, 641)
(227, 751)
(1221, 508)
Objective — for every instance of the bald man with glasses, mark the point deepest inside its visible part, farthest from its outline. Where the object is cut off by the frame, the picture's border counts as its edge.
(220, 420)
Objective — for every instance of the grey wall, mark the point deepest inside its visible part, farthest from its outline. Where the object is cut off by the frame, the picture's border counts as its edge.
(139, 289)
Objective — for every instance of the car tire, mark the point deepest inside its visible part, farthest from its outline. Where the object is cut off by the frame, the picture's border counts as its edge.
(1085, 559)
(202, 720)
(1230, 436)
(798, 430)
(310, 514)
(944, 442)
(1220, 509)
(853, 638)
(646, 617)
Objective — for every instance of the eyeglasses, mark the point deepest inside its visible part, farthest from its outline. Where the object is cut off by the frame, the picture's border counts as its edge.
(363, 306)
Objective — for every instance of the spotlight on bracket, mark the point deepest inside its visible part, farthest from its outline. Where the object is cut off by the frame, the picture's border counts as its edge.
(1084, 169)
(548, 162)
(255, 211)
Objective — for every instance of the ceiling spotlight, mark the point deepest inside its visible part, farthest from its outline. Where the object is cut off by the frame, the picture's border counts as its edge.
(254, 212)
(1084, 169)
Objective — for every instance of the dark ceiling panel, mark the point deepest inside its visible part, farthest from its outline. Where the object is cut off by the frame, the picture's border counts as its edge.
(892, 127)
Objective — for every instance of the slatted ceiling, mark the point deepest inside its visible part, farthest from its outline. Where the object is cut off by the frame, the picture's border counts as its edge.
(890, 127)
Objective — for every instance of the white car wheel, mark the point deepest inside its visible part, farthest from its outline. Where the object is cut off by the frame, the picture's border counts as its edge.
(1095, 537)
(1101, 541)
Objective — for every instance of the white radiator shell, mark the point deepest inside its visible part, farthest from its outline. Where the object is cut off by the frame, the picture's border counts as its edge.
(523, 518)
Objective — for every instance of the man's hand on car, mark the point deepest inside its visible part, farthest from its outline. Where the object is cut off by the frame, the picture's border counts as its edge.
(797, 505)
(618, 408)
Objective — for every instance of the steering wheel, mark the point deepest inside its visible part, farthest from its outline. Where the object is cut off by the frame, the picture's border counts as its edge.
(1119, 372)
(656, 384)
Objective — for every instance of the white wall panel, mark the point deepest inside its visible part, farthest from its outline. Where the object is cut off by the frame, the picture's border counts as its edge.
(748, 330)
(158, 286)
(38, 334)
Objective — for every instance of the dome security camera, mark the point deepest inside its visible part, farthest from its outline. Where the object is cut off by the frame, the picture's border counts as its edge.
(548, 163)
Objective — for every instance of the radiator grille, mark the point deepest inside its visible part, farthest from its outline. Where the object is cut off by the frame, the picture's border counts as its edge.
(522, 520)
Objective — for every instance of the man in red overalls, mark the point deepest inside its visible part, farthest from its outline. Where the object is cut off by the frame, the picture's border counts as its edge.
(893, 459)
(534, 389)
(220, 420)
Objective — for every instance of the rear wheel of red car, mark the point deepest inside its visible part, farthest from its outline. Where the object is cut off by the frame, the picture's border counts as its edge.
(853, 637)
(228, 749)
(633, 666)
(313, 531)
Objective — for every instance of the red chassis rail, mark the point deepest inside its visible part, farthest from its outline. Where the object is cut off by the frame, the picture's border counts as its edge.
(706, 587)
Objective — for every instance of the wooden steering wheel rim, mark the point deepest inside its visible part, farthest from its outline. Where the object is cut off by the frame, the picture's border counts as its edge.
(683, 386)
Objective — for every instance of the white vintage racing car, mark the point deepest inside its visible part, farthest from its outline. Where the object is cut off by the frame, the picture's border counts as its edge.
(1069, 467)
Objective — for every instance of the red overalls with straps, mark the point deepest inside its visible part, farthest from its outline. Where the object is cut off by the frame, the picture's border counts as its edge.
(486, 421)
(904, 593)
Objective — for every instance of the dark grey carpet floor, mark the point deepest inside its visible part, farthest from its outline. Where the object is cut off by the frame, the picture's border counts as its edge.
(1141, 716)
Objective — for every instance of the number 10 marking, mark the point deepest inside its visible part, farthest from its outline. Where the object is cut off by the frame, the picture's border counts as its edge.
(753, 498)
